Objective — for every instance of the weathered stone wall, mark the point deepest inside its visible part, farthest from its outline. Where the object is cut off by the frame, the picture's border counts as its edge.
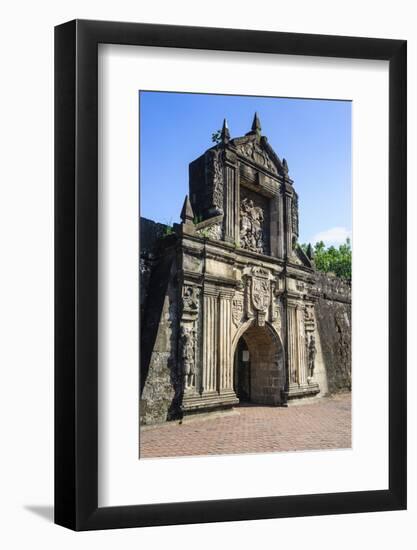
(334, 315)
(159, 325)
(149, 232)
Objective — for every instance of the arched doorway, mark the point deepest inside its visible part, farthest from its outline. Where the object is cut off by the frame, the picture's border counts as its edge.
(259, 372)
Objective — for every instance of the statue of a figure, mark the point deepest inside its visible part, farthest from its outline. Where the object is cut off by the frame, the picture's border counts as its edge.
(187, 346)
(312, 352)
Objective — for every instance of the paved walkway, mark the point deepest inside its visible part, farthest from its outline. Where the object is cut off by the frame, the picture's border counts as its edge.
(322, 424)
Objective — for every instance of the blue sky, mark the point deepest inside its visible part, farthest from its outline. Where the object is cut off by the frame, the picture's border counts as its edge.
(313, 135)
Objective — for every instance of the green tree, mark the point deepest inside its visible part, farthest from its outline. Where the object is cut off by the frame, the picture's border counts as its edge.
(216, 137)
(332, 259)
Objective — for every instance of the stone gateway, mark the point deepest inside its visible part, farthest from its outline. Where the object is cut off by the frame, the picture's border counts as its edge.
(230, 303)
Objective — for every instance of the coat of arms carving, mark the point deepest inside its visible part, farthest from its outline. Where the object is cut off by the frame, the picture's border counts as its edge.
(237, 310)
(260, 293)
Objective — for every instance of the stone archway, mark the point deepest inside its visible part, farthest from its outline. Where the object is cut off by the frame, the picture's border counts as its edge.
(259, 369)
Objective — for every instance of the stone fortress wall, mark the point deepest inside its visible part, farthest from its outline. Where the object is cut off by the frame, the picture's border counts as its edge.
(334, 325)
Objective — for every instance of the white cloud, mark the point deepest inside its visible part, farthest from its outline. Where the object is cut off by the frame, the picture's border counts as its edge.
(333, 236)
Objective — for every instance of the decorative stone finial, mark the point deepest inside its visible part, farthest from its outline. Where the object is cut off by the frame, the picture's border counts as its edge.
(309, 252)
(285, 166)
(225, 133)
(187, 214)
(256, 124)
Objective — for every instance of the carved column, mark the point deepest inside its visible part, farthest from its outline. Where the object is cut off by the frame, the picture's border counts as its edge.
(210, 314)
(225, 341)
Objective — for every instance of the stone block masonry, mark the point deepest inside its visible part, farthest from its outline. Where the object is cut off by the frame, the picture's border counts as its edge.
(334, 322)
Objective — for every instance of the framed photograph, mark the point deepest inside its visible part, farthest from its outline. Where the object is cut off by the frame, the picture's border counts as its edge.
(230, 254)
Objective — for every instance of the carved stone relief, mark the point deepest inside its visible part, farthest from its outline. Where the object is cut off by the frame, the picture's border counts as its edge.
(213, 232)
(261, 293)
(275, 307)
(311, 355)
(309, 313)
(294, 218)
(190, 298)
(309, 320)
(214, 176)
(311, 351)
(187, 340)
(188, 334)
(257, 154)
(237, 309)
(300, 286)
(251, 232)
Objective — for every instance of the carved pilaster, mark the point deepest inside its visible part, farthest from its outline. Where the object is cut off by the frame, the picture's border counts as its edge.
(301, 346)
(280, 225)
(288, 224)
(292, 345)
(230, 204)
(210, 323)
(225, 340)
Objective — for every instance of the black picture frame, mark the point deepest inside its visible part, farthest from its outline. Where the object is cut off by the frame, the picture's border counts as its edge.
(76, 272)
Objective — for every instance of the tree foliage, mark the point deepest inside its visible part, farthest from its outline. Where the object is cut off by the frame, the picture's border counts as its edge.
(333, 260)
(216, 137)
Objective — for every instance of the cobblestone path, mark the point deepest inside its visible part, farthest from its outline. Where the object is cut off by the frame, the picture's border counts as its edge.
(323, 424)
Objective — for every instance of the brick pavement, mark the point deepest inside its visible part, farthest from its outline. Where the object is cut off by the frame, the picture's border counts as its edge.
(323, 424)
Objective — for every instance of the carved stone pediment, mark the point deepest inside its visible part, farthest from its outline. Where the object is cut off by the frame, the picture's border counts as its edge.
(255, 152)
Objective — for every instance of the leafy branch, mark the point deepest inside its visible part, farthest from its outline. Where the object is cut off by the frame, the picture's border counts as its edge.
(333, 260)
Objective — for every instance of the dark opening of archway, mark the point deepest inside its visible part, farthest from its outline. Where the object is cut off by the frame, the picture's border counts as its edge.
(242, 371)
(259, 374)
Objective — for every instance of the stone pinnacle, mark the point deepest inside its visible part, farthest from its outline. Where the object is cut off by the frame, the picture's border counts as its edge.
(187, 214)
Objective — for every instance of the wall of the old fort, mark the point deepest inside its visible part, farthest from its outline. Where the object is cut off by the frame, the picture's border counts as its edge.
(158, 398)
(159, 324)
(160, 384)
(333, 317)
